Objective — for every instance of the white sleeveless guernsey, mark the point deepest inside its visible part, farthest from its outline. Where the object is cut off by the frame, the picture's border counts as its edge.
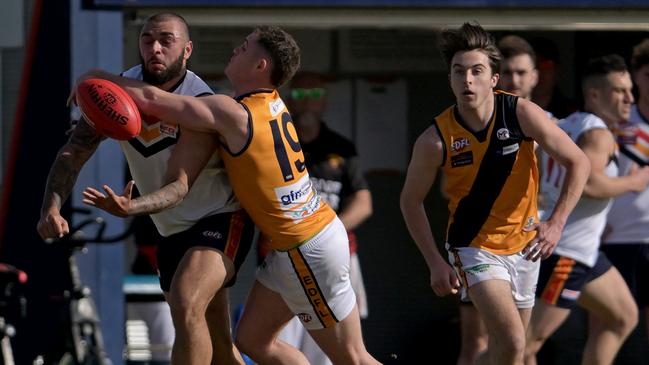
(628, 219)
(581, 236)
(147, 156)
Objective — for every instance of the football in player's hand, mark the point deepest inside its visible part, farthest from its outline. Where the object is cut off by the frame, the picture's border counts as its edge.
(109, 109)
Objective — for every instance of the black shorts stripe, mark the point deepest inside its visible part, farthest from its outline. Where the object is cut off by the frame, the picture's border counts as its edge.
(457, 262)
(311, 288)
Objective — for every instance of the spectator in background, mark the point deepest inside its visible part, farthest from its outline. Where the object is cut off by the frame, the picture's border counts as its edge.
(518, 73)
(332, 162)
(547, 93)
(626, 241)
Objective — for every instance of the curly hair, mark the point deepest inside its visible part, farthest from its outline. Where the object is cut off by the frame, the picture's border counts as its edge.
(283, 50)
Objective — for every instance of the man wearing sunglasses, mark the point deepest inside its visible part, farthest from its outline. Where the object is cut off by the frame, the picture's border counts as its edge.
(332, 162)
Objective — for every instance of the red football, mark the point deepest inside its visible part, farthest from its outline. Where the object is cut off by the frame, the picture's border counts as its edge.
(109, 109)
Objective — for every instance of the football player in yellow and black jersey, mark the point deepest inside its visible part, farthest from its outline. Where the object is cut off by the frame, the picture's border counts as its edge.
(518, 76)
(335, 172)
(306, 274)
(485, 146)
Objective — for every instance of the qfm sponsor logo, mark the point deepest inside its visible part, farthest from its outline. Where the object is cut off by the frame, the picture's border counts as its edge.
(298, 192)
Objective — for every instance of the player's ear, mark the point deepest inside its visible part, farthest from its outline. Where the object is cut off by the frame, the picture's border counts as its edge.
(263, 64)
(494, 79)
(189, 47)
(591, 94)
(535, 78)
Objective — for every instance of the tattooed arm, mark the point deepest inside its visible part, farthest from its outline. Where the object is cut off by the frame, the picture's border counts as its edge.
(189, 157)
(64, 172)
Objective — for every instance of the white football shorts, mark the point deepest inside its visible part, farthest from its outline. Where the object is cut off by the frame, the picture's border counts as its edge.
(474, 265)
(313, 278)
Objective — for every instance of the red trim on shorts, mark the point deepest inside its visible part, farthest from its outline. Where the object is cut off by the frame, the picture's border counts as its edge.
(557, 280)
(234, 234)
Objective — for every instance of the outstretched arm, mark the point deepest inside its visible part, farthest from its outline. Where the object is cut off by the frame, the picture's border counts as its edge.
(556, 143)
(190, 155)
(426, 160)
(64, 172)
(214, 113)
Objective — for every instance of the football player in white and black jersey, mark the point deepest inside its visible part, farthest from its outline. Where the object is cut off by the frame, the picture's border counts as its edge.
(206, 235)
(577, 273)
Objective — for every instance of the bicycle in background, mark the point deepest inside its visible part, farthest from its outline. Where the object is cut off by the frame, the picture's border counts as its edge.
(11, 300)
(84, 341)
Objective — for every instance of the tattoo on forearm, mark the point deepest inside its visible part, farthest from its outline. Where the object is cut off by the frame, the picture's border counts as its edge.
(168, 196)
(64, 172)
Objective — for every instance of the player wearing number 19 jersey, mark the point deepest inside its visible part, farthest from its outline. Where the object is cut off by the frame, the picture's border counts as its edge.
(303, 230)
(280, 199)
(307, 272)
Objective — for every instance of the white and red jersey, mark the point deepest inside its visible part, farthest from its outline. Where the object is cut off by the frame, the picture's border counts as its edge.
(628, 219)
(581, 236)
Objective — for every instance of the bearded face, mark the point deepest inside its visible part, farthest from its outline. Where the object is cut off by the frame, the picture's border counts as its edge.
(158, 76)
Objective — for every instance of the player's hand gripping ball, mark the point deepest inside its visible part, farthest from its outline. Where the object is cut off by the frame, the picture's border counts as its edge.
(109, 109)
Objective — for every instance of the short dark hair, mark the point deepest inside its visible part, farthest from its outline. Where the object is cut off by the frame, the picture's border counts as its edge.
(283, 50)
(513, 45)
(468, 38)
(163, 17)
(597, 68)
(640, 55)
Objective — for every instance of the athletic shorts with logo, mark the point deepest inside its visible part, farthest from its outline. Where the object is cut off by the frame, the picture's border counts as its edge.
(562, 278)
(474, 265)
(231, 233)
(313, 278)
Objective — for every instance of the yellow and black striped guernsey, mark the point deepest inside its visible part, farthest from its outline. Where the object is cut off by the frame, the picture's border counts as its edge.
(492, 180)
